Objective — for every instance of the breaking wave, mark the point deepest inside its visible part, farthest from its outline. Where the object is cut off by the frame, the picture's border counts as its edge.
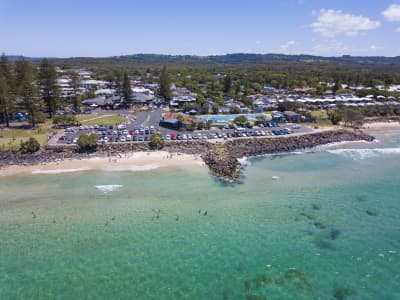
(359, 154)
(132, 168)
(59, 171)
(108, 188)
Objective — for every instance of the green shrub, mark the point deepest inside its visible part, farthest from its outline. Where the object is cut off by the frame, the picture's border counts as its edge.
(65, 120)
(240, 120)
(156, 141)
(88, 141)
(30, 146)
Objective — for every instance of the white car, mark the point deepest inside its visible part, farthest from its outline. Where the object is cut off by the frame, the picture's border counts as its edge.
(128, 138)
(122, 139)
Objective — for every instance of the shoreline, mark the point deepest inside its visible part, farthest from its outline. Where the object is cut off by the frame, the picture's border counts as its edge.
(221, 158)
(127, 162)
(381, 126)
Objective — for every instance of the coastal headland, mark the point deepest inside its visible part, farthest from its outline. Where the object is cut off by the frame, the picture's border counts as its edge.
(220, 157)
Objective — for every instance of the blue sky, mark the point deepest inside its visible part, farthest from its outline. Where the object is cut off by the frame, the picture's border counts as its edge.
(106, 28)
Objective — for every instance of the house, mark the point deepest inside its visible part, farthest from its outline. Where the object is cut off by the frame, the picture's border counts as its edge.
(105, 102)
(177, 121)
(278, 116)
(292, 117)
(140, 98)
(170, 123)
(104, 92)
(99, 101)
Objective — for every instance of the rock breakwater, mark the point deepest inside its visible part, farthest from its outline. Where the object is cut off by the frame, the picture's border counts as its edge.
(223, 159)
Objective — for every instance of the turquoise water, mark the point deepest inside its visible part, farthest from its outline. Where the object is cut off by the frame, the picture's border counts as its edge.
(317, 225)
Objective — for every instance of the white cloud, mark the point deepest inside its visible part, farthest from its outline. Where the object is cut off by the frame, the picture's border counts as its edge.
(331, 23)
(285, 48)
(398, 29)
(332, 48)
(392, 13)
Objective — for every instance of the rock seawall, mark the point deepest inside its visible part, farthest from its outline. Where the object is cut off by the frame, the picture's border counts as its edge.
(223, 159)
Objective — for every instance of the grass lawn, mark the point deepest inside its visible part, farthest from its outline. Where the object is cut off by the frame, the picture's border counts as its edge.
(10, 139)
(90, 120)
(319, 114)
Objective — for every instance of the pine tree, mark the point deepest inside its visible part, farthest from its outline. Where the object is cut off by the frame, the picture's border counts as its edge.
(4, 100)
(165, 84)
(6, 70)
(76, 103)
(227, 84)
(20, 68)
(126, 88)
(6, 90)
(48, 85)
(29, 94)
(118, 81)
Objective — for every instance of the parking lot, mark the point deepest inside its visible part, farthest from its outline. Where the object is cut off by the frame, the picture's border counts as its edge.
(139, 128)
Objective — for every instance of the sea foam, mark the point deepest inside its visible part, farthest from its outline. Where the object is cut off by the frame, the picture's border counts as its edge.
(359, 154)
(108, 188)
(59, 171)
(132, 168)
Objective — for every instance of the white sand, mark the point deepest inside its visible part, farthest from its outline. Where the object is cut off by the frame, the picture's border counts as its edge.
(381, 126)
(133, 162)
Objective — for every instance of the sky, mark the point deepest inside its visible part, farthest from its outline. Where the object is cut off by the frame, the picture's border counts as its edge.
(98, 28)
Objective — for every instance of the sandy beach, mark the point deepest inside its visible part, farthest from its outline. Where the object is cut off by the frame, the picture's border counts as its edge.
(380, 126)
(133, 162)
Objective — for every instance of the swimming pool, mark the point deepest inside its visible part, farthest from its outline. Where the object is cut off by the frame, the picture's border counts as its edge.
(222, 118)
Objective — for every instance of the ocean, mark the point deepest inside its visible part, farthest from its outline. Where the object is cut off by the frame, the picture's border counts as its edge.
(319, 224)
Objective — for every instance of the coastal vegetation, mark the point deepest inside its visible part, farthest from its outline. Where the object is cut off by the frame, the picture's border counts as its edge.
(65, 120)
(156, 141)
(88, 142)
(11, 138)
(30, 146)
